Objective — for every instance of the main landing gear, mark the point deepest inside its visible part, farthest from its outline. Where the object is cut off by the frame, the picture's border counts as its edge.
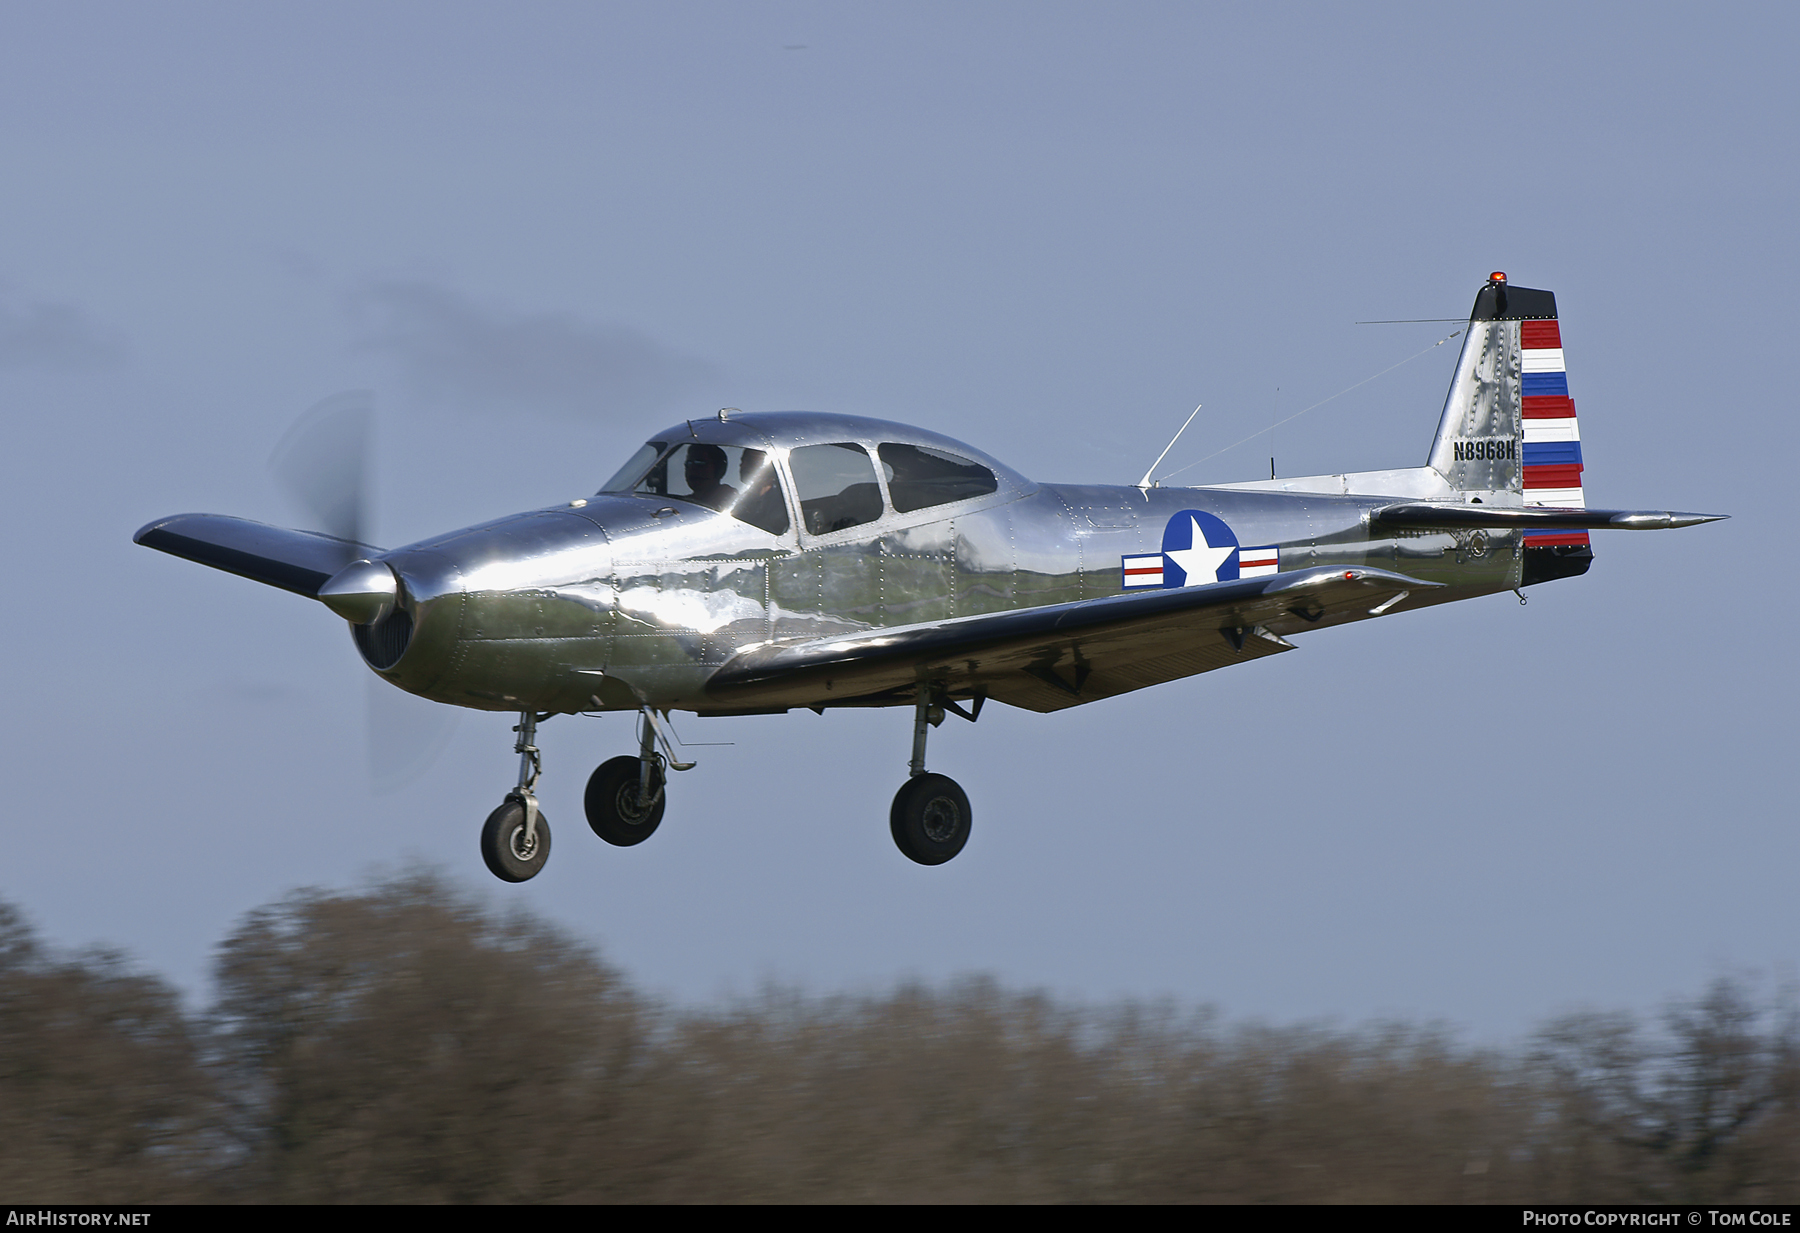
(624, 800)
(930, 816)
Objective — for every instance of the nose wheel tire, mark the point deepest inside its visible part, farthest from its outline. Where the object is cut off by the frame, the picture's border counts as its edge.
(930, 819)
(503, 845)
(614, 808)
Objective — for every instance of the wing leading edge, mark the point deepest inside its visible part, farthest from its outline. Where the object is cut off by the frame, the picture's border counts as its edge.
(1062, 655)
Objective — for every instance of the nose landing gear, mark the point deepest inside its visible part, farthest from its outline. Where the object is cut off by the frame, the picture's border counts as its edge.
(514, 849)
(515, 843)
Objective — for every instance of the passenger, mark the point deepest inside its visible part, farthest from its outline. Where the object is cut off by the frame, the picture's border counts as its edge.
(704, 470)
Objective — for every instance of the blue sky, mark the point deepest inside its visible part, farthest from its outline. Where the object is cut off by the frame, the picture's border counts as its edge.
(540, 232)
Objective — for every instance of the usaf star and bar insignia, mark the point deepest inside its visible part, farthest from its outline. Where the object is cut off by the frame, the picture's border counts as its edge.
(1197, 548)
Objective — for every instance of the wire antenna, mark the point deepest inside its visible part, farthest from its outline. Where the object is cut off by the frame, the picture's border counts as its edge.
(1296, 415)
(1147, 483)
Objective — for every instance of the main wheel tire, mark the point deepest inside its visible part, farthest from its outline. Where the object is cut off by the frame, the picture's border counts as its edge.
(930, 819)
(503, 844)
(612, 802)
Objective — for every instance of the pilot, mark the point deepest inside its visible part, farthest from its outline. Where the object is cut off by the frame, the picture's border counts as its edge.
(704, 470)
(761, 505)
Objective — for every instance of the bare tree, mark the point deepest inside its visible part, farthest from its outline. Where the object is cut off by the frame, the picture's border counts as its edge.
(403, 1043)
(1705, 1111)
(102, 1099)
(406, 1045)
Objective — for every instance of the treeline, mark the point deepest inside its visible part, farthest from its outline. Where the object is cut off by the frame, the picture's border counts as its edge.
(405, 1044)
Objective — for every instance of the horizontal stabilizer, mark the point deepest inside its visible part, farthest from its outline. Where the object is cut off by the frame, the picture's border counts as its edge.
(1062, 655)
(1534, 518)
(297, 561)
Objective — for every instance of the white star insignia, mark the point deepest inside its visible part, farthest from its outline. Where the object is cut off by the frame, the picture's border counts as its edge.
(1200, 561)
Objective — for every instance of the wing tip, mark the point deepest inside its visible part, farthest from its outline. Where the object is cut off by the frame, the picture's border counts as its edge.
(142, 534)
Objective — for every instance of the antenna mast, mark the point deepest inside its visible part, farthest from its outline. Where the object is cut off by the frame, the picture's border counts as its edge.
(1145, 484)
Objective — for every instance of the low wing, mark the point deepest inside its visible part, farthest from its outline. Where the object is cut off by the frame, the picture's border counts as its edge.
(1533, 517)
(1062, 655)
(297, 561)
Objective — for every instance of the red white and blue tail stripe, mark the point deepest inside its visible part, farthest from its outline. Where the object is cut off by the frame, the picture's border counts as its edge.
(1552, 446)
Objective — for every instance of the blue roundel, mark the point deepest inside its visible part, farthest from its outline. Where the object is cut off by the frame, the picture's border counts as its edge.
(1198, 548)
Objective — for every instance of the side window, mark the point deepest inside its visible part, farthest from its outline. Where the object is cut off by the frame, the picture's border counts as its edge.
(919, 476)
(836, 486)
(733, 480)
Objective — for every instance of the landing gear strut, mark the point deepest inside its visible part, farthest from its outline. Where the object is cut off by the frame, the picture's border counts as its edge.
(515, 843)
(930, 816)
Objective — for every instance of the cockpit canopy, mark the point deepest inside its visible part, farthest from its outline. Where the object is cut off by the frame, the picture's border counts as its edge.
(840, 471)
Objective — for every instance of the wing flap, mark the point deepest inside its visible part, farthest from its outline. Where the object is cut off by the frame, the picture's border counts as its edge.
(297, 561)
(1062, 655)
(1054, 679)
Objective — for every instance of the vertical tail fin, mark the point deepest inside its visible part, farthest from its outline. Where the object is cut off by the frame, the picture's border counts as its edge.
(1507, 435)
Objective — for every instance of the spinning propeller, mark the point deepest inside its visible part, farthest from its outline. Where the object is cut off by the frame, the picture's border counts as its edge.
(323, 463)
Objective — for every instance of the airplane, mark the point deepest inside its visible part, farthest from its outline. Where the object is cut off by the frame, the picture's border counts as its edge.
(749, 564)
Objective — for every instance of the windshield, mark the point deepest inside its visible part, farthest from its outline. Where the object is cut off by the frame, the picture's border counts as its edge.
(728, 478)
(633, 471)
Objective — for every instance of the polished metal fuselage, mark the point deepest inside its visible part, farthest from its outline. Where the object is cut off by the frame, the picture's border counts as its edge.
(621, 601)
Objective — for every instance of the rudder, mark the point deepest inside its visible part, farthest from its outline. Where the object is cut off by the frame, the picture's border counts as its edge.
(1552, 452)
